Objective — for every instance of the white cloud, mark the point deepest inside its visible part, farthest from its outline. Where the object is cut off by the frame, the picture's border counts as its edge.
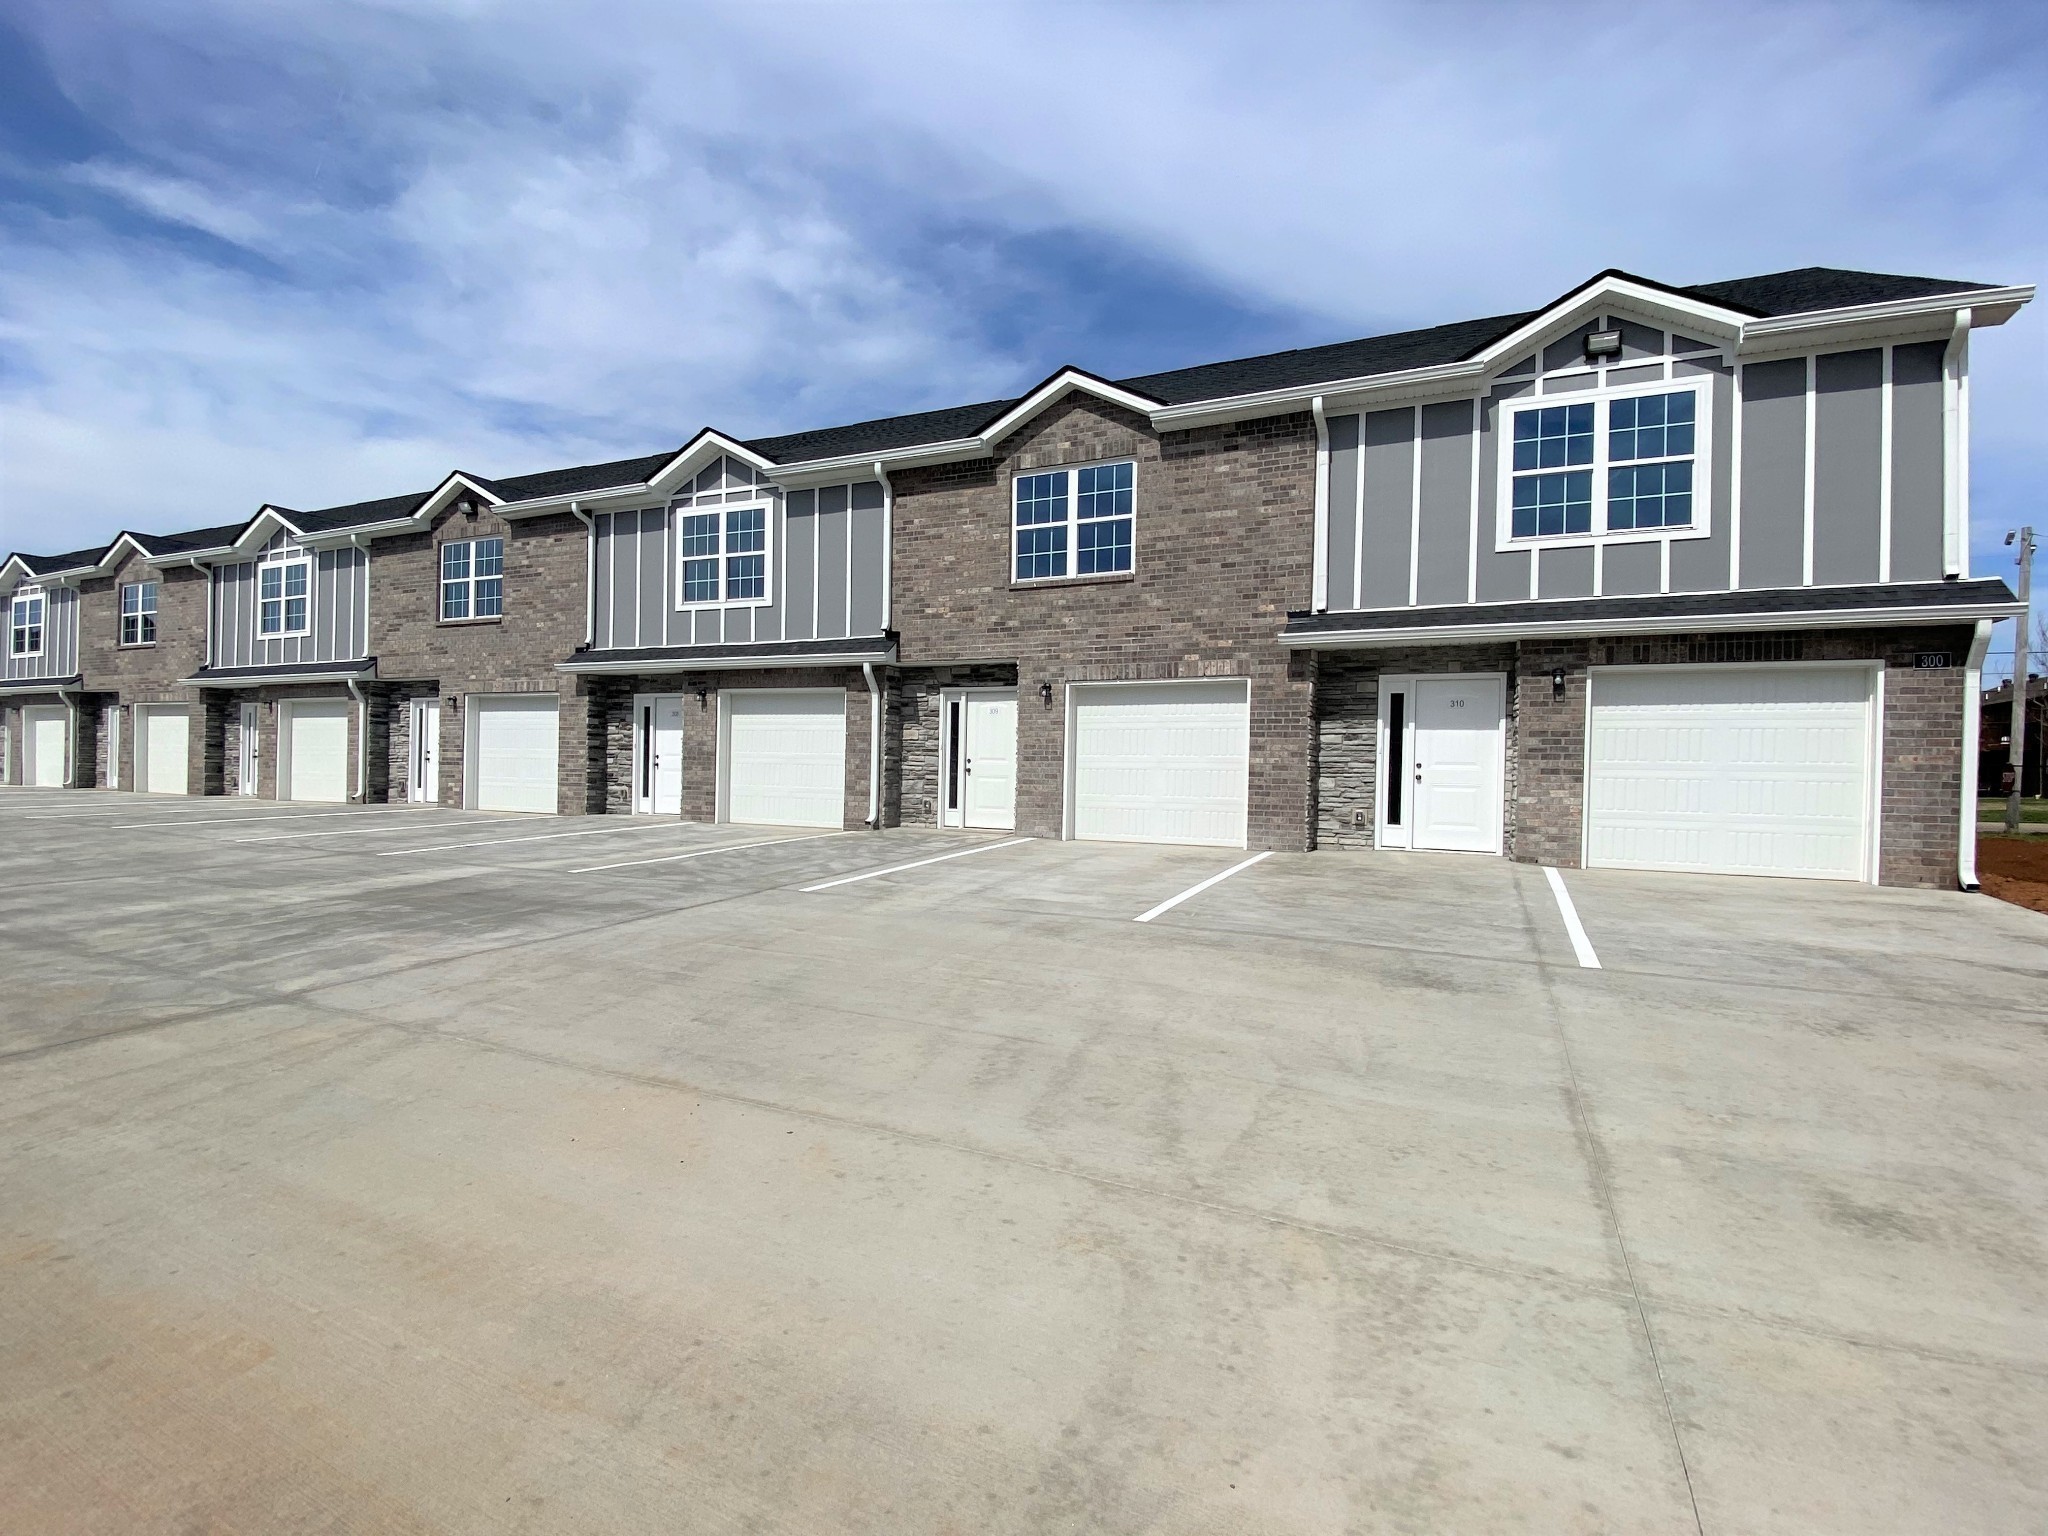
(515, 234)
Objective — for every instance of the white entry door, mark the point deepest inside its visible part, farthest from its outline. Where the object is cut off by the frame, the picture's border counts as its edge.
(785, 757)
(658, 754)
(45, 732)
(515, 741)
(1455, 778)
(980, 760)
(424, 769)
(1746, 770)
(249, 758)
(1161, 762)
(316, 750)
(110, 729)
(164, 735)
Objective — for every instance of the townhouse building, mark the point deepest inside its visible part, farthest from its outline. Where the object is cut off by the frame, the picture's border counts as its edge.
(1651, 577)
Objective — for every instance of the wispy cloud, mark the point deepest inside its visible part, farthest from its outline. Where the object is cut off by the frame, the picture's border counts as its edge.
(312, 254)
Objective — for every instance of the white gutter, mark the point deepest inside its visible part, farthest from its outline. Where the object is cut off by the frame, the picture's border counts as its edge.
(888, 542)
(1955, 479)
(867, 670)
(1319, 597)
(589, 571)
(1675, 624)
(1973, 705)
(362, 742)
(1896, 309)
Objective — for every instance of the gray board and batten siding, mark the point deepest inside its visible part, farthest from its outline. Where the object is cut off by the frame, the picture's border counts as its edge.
(59, 656)
(337, 619)
(1412, 495)
(827, 555)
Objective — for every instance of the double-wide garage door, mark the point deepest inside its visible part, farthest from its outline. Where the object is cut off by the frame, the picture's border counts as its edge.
(1161, 762)
(784, 762)
(1732, 770)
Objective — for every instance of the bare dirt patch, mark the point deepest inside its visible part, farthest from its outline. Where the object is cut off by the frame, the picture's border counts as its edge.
(2015, 869)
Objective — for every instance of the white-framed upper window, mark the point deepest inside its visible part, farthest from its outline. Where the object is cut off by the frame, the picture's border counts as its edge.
(25, 623)
(138, 613)
(1073, 522)
(473, 579)
(1626, 463)
(284, 587)
(722, 554)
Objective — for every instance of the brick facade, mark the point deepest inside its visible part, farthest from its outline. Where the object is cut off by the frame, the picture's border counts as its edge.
(1921, 729)
(1221, 550)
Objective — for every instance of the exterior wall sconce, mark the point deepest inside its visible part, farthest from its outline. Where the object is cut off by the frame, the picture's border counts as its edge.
(1045, 694)
(1557, 682)
(703, 698)
(1601, 344)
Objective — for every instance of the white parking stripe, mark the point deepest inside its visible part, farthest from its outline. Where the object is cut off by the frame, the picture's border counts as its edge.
(663, 825)
(424, 826)
(698, 853)
(1581, 945)
(242, 821)
(1195, 890)
(897, 869)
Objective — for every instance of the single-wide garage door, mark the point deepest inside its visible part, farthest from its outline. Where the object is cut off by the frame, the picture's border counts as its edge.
(1731, 770)
(44, 748)
(166, 736)
(785, 758)
(317, 747)
(1162, 762)
(515, 745)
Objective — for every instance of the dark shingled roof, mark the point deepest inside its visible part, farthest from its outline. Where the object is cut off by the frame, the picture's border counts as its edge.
(198, 538)
(45, 565)
(1765, 603)
(859, 648)
(358, 514)
(587, 477)
(1778, 293)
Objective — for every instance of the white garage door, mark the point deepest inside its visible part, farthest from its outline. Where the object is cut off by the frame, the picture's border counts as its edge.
(515, 741)
(317, 750)
(1732, 770)
(785, 758)
(165, 738)
(46, 731)
(1162, 762)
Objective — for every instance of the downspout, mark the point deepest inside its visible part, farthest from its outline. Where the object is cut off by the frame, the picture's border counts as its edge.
(362, 741)
(1973, 703)
(1320, 594)
(888, 540)
(867, 670)
(589, 571)
(70, 703)
(1955, 509)
(206, 571)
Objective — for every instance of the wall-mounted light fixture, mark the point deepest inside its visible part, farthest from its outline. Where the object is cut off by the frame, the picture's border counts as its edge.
(703, 698)
(1045, 694)
(1557, 682)
(1601, 344)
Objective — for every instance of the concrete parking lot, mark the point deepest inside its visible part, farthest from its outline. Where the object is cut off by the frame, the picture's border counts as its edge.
(420, 1171)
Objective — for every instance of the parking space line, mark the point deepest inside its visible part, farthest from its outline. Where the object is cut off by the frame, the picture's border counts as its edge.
(1581, 945)
(425, 826)
(245, 820)
(698, 853)
(1195, 890)
(663, 825)
(897, 869)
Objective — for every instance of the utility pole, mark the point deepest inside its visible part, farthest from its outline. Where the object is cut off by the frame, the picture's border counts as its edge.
(2016, 739)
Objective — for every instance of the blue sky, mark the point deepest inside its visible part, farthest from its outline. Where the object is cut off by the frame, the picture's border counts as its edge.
(318, 253)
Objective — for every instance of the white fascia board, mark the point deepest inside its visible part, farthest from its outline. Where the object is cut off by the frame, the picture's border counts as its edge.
(278, 679)
(1339, 395)
(268, 520)
(1601, 291)
(1678, 624)
(701, 450)
(127, 540)
(1051, 390)
(1987, 306)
